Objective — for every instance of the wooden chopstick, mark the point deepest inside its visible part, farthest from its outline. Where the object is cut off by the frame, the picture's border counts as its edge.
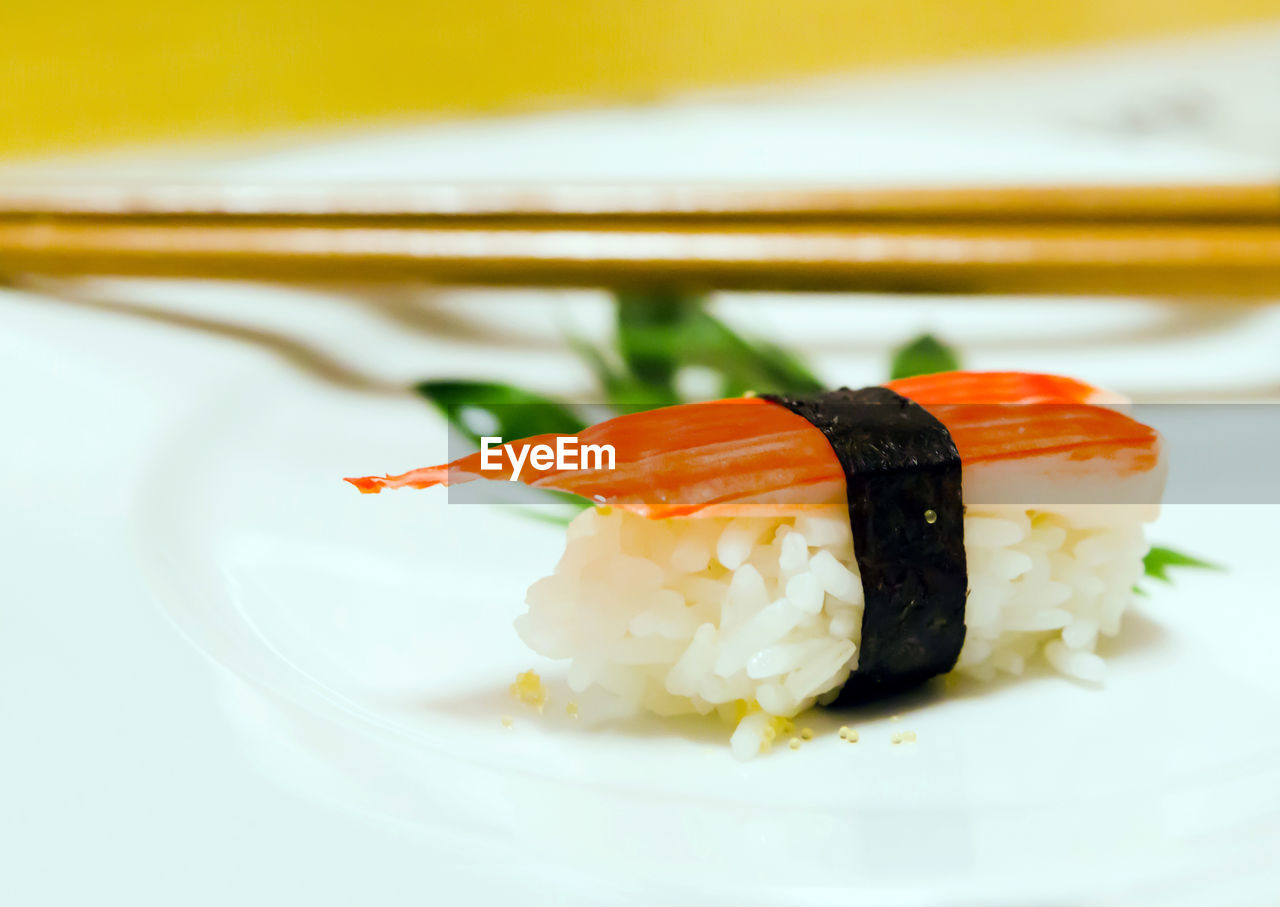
(1246, 202)
(1108, 240)
(953, 259)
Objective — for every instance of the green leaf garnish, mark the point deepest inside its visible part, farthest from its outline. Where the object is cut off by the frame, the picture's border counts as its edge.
(925, 355)
(649, 329)
(784, 372)
(622, 390)
(476, 408)
(661, 333)
(1158, 561)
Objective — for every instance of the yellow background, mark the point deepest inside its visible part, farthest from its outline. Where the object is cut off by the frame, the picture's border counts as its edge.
(77, 74)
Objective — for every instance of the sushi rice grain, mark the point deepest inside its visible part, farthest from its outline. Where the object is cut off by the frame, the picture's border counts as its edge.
(674, 616)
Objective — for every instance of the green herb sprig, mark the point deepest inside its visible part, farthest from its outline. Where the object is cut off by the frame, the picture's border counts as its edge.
(657, 336)
(925, 355)
(1160, 559)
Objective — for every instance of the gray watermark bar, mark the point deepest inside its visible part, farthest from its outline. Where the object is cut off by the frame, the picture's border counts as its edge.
(1033, 455)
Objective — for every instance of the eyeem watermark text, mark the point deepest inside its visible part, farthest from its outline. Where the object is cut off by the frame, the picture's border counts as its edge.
(567, 454)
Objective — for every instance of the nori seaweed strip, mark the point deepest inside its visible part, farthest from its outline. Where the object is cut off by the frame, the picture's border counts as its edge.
(902, 477)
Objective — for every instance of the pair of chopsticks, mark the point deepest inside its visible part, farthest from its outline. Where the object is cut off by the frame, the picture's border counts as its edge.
(1182, 240)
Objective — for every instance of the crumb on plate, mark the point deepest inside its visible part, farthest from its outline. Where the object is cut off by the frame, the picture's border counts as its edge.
(528, 689)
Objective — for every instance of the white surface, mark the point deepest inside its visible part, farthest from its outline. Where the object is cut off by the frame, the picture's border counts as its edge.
(170, 458)
(150, 459)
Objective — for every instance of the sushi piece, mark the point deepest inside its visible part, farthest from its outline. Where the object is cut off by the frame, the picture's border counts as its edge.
(755, 556)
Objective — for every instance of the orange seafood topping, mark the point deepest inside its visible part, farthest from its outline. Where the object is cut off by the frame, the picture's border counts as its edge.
(727, 455)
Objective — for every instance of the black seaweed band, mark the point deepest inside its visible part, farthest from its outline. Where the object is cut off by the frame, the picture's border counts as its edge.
(902, 478)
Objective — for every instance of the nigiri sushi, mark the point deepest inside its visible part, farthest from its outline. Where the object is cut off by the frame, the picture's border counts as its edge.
(755, 556)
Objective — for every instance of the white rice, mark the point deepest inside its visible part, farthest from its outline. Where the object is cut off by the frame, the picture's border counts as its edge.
(757, 618)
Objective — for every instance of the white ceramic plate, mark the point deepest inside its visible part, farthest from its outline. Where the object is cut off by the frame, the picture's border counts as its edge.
(369, 647)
